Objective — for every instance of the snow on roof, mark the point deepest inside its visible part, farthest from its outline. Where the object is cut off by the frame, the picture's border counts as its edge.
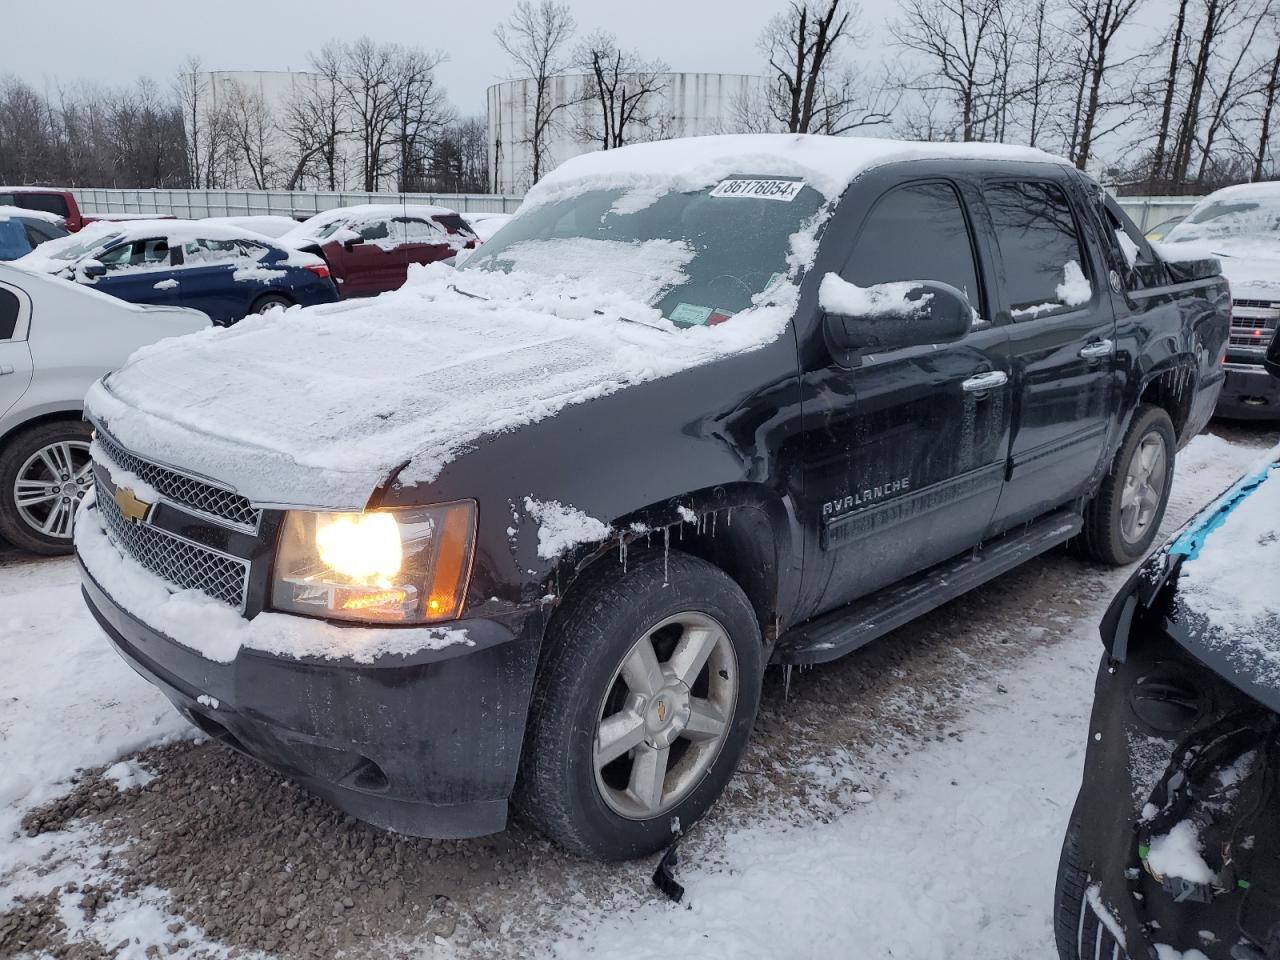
(33, 190)
(828, 164)
(22, 213)
(1263, 190)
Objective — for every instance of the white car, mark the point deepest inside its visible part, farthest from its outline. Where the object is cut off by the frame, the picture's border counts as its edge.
(1241, 227)
(57, 338)
(485, 225)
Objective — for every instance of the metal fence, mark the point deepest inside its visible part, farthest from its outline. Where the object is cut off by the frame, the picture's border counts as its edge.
(298, 204)
(1148, 212)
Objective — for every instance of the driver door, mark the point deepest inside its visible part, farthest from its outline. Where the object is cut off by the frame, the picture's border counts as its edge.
(906, 448)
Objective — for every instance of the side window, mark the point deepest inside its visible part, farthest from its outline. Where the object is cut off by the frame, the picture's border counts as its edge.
(14, 241)
(248, 250)
(916, 232)
(117, 257)
(420, 231)
(1040, 243)
(8, 313)
(209, 252)
(374, 230)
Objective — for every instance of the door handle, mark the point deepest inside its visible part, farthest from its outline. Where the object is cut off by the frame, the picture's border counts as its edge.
(982, 382)
(1096, 350)
(5, 368)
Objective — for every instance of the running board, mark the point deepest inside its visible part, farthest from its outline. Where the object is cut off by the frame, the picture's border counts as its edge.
(842, 631)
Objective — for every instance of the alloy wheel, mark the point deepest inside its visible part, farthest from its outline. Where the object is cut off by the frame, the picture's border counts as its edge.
(665, 715)
(1143, 487)
(51, 484)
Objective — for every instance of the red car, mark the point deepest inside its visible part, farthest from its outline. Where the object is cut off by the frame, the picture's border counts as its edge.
(369, 248)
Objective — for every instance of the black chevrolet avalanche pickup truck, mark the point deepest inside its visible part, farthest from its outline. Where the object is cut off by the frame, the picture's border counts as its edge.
(530, 531)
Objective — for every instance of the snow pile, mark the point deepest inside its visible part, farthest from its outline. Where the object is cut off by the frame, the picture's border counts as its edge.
(838, 296)
(350, 391)
(127, 774)
(1074, 289)
(1177, 854)
(562, 528)
(1232, 581)
(1129, 248)
(217, 632)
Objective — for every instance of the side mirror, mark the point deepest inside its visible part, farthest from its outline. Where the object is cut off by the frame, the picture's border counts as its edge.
(1272, 359)
(351, 243)
(887, 316)
(92, 270)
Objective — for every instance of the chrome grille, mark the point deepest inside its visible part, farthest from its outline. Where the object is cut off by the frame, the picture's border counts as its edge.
(196, 495)
(181, 563)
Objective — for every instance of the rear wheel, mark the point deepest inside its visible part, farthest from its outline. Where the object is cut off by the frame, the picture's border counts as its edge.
(45, 472)
(269, 300)
(645, 698)
(1122, 520)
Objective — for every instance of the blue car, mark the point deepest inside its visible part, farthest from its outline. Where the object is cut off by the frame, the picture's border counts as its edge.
(225, 272)
(21, 230)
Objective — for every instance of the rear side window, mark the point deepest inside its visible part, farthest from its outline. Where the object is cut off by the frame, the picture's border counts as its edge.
(49, 203)
(418, 231)
(8, 314)
(1040, 244)
(205, 252)
(916, 232)
(374, 230)
(454, 224)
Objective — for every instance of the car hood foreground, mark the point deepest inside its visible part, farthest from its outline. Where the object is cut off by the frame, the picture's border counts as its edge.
(320, 406)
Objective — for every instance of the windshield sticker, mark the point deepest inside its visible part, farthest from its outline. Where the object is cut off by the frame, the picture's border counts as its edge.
(690, 315)
(785, 190)
(718, 316)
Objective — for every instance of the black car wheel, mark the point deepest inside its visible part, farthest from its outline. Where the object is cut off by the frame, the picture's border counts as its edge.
(45, 472)
(1122, 520)
(645, 697)
(1079, 932)
(269, 300)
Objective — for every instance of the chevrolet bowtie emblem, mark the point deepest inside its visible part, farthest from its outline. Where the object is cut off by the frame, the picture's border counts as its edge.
(662, 711)
(134, 510)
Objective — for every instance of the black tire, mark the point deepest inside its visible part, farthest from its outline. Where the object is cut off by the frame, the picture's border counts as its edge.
(15, 455)
(594, 631)
(269, 300)
(1104, 538)
(1077, 930)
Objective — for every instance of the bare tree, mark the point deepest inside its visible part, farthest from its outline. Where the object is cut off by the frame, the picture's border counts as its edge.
(953, 38)
(1174, 42)
(1099, 21)
(252, 128)
(1270, 90)
(366, 81)
(535, 38)
(421, 108)
(810, 89)
(316, 121)
(623, 98)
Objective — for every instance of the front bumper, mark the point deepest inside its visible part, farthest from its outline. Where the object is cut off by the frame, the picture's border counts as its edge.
(1249, 393)
(426, 745)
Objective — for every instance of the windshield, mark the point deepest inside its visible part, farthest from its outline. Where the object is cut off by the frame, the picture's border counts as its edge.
(78, 248)
(698, 257)
(1241, 215)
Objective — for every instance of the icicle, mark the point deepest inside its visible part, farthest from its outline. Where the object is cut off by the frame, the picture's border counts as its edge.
(666, 552)
(786, 682)
(728, 517)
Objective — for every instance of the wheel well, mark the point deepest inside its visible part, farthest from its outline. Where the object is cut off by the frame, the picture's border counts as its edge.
(53, 417)
(739, 540)
(1172, 391)
(271, 295)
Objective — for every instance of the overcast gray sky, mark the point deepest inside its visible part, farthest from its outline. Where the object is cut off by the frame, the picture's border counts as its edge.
(115, 43)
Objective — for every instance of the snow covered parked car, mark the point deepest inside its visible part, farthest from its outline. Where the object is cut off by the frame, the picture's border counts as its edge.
(485, 225)
(21, 231)
(1241, 227)
(56, 338)
(223, 271)
(536, 525)
(369, 248)
(1173, 848)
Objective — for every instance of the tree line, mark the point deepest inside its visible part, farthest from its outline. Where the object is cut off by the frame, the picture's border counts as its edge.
(1158, 96)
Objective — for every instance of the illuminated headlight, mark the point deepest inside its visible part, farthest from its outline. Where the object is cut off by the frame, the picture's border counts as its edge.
(386, 566)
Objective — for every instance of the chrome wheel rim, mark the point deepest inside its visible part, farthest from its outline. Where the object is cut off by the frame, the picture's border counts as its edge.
(1143, 488)
(51, 484)
(665, 715)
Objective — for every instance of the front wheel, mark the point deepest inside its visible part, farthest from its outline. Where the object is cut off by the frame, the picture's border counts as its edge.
(1122, 520)
(644, 701)
(45, 472)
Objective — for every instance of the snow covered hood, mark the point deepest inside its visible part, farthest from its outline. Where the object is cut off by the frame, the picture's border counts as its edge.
(1251, 264)
(1228, 582)
(318, 406)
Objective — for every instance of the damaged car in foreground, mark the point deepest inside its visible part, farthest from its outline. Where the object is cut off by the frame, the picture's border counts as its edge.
(1173, 849)
(531, 529)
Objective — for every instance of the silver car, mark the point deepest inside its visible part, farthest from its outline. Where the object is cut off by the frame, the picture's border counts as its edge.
(57, 338)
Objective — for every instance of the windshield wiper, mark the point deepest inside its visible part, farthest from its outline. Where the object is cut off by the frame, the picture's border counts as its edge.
(638, 323)
(466, 293)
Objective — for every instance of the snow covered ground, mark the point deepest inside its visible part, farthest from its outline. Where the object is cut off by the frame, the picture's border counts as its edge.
(940, 842)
